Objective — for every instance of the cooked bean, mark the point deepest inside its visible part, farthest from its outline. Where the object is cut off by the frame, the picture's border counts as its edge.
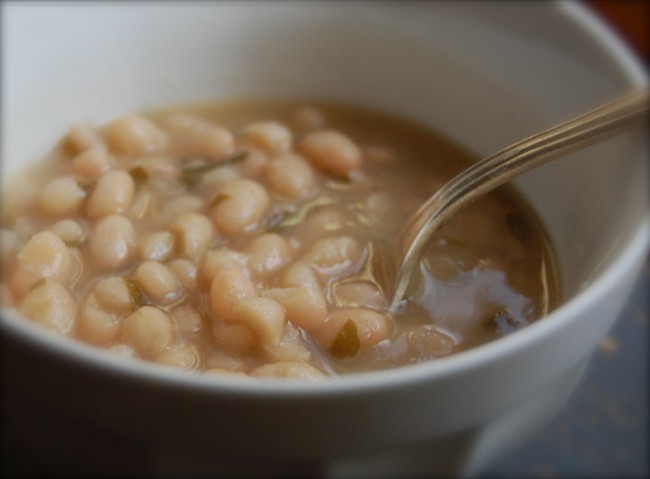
(97, 325)
(197, 137)
(290, 176)
(81, 138)
(221, 259)
(267, 253)
(149, 330)
(44, 256)
(239, 206)
(273, 136)
(185, 271)
(156, 246)
(305, 306)
(157, 281)
(228, 288)
(237, 338)
(194, 233)
(89, 164)
(225, 372)
(332, 255)
(217, 177)
(288, 370)
(264, 316)
(290, 347)
(50, 305)
(360, 294)
(371, 327)
(300, 274)
(69, 231)
(112, 242)
(143, 204)
(112, 194)
(331, 151)
(254, 163)
(182, 357)
(61, 196)
(135, 135)
(115, 294)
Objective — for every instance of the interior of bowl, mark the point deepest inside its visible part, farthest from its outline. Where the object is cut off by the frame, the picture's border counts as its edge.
(484, 75)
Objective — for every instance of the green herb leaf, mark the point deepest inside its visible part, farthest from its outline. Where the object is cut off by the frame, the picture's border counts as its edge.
(347, 342)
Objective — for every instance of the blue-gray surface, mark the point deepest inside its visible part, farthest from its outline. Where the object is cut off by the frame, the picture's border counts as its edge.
(603, 428)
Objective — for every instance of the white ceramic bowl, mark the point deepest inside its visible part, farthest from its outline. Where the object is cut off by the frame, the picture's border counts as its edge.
(485, 74)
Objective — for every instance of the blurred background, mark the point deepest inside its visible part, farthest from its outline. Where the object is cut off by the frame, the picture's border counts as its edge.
(603, 429)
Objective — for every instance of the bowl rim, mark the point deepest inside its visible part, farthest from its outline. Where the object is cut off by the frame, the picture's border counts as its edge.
(635, 249)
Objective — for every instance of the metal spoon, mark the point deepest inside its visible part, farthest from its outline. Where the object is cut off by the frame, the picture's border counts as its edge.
(620, 115)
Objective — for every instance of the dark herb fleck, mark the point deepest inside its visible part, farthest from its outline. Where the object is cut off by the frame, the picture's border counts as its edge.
(139, 175)
(137, 298)
(347, 343)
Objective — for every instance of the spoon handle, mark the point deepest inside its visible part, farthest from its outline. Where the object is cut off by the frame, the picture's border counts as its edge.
(622, 114)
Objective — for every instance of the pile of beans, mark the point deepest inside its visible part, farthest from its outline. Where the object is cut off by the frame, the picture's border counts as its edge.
(243, 250)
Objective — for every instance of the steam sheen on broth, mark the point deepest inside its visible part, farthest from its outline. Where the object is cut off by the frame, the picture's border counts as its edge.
(240, 238)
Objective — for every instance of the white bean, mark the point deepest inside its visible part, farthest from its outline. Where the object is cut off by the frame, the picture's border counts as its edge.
(290, 176)
(149, 330)
(185, 271)
(371, 327)
(81, 138)
(308, 118)
(158, 282)
(332, 255)
(157, 246)
(61, 196)
(116, 294)
(112, 194)
(331, 151)
(44, 256)
(228, 288)
(112, 242)
(96, 324)
(70, 231)
(194, 233)
(221, 259)
(51, 306)
(240, 205)
(264, 316)
(268, 253)
(305, 306)
(134, 135)
(236, 338)
(197, 137)
(270, 135)
(92, 163)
